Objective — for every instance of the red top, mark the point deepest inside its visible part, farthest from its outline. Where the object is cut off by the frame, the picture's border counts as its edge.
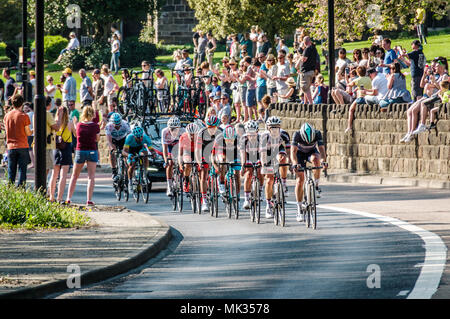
(15, 122)
(186, 146)
(87, 136)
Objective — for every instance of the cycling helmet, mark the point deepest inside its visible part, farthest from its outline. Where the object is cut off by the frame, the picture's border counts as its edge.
(116, 118)
(273, 121)
(138, 132)
(229, 133)
(200, 124)
(212, 121)
(173, 122)
(251, 127)
(307, 132)
(191, 128)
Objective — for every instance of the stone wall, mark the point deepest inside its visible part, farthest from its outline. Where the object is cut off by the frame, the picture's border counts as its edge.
(175, 23)
(374, 144)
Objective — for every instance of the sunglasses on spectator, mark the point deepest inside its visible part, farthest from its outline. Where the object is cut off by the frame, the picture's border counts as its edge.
(214, 80)
(280, 56)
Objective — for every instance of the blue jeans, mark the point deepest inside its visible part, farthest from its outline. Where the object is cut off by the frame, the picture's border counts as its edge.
(18, 157)
(115, 62)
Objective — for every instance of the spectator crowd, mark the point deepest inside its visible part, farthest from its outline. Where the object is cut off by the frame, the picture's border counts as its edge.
(252, 75)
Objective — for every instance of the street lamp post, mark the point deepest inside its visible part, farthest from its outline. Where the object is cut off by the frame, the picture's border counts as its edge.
(23, 64)
(331, 63)
(40, 127)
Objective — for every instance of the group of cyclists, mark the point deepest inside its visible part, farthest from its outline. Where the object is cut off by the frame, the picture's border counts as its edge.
(207, 145)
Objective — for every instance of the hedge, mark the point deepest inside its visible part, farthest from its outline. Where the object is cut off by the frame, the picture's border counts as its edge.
(53, 44)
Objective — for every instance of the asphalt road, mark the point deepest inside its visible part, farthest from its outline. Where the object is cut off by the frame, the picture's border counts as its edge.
(348, 256)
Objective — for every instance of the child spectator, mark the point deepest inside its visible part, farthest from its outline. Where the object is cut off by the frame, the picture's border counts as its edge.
(444, 94)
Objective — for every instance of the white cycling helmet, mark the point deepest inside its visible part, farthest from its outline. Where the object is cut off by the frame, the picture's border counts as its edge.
(174, 122)
(251, 127)
(273, 121)
(191, 128)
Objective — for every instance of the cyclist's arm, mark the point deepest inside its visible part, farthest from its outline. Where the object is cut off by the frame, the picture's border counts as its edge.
(323, 154)
(165, 152)
(110, 142)
(293, 156)
(126, 150)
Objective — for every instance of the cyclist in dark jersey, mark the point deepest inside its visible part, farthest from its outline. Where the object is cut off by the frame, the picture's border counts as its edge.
(225, 150)
(249, 149)
(275, 144)
(307, 145)
(203, 149)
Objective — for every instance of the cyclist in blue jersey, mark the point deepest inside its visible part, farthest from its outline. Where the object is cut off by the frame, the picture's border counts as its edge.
(116, 132)
(136, 143)
(307, 145)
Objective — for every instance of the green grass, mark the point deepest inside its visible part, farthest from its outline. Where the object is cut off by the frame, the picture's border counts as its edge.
(26, 209)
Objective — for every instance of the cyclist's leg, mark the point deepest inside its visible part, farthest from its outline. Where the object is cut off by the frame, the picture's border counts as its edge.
(204, 174)
(315, 158)
(283, 159)
(248, 172)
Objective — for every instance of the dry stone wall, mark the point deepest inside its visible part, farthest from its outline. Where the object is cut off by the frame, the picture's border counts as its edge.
(374, 144)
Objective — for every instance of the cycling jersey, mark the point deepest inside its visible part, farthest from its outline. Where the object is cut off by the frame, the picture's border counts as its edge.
(304, 146)
(135, 146)
(205, 141)
(118, 134)
(231, 151)
(187, 146)
(171, 141)
(251, 147)
(168, 139)
(278, 145)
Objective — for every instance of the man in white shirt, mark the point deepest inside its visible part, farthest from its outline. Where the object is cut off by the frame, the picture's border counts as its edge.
(379, 87)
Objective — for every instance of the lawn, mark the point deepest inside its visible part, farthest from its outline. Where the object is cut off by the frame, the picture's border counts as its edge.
(438, 45)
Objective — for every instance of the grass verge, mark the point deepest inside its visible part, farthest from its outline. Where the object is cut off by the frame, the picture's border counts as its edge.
(25, 209)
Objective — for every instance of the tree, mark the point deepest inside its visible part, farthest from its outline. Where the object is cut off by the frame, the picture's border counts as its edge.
(223, 17)
(354, 17)
(10, 19)
(95, 15)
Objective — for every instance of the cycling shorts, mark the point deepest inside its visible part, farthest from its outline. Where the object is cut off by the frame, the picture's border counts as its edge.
(302, 157)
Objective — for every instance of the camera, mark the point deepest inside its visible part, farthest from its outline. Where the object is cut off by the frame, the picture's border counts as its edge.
(49, 138)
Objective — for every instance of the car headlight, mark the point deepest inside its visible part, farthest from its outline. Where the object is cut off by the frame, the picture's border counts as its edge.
(152, 169)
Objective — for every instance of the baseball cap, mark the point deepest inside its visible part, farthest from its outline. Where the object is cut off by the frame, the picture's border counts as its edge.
(67, 70)
(372, 70)
(225, 95)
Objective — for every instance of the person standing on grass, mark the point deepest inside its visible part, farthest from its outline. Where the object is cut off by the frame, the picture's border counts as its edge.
(17, 127)
(111, 87)
(69, 89)
(88, 134)
(86, 93)
(115, 54)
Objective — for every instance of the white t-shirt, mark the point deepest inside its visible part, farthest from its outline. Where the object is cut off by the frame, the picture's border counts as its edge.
(109, 84)
(380, 83)
(342, 63)
(283, 70)
(73, 44)
(115, 46)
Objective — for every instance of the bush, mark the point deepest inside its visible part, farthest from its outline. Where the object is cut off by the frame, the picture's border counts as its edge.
(20, 208)
(53, 44)
(2, 49)
(132, 53)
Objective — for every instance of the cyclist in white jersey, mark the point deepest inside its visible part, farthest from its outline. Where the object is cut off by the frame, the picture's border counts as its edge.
(170, 137)
(116, 132)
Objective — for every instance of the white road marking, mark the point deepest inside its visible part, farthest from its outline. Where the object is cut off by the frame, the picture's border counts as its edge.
(435, 253)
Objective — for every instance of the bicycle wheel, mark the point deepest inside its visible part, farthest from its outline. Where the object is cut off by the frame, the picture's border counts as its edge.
(313, 208)
(257, 202)
(308, 202)
(235, 197)
(146, 186)
(180, 193)
(174, 197)
(198, 196)
(229, 198)
(214, 197)
(276, 213)
(282, 206)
